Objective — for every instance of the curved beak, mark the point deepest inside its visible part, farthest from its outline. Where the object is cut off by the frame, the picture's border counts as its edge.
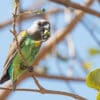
(46, 34)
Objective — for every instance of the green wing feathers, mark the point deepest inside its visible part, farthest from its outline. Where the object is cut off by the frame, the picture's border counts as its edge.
(29, 51)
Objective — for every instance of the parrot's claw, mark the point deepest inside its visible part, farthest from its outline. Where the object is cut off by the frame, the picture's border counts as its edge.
(30, 69)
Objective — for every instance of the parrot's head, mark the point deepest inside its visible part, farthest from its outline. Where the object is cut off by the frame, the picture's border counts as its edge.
(39, 30)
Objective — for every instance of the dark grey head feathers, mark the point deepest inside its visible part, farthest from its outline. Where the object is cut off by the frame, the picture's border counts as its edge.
(37, 29)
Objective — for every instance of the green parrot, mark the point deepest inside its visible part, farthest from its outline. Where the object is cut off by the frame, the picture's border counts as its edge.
(30, 41)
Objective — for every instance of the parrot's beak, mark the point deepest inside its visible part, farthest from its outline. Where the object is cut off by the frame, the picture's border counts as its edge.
(46, 34)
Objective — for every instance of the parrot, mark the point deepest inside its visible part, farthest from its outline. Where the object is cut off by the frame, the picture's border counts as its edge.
(30, 41)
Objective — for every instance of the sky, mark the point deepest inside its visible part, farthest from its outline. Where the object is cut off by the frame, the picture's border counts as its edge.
(82, 40)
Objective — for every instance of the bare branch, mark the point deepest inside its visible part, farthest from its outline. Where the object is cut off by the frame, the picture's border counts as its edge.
(48, 92)
(15, 36)
(68, 3)
(24, 17)
(63, 78)
(4, 93)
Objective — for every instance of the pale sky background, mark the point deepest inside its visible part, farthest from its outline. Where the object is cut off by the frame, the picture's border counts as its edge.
(82, 39)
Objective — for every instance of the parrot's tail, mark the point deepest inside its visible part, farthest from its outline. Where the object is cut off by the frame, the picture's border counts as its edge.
(4, 78)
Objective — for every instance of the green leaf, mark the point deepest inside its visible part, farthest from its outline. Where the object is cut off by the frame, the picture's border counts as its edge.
(93, 79)
(93, 51)
(98, 96)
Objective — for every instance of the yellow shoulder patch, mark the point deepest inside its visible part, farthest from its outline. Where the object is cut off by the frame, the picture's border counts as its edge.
(23, 33)
(37, 43)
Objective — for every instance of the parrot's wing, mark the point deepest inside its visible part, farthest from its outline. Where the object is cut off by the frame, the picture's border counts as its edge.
(13, 50)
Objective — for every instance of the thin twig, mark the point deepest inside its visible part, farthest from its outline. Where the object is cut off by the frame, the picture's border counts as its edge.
(63, 78)
(29, 16)
(62, 73)
(91, 32)
(19, 11)
(4, 93)
(68, 3)
(48, 92)
(42, 89)
(15, 36)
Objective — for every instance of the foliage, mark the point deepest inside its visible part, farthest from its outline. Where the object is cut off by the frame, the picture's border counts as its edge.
(98, 96)
(93, 80)
(93, 51)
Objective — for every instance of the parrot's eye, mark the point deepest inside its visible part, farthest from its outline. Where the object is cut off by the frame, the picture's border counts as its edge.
(43, 24)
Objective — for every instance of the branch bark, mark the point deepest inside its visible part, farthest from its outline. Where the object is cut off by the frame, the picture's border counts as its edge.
(4, 92)
(49, 92)
(60, 78)
(26, 17)
(68, 3)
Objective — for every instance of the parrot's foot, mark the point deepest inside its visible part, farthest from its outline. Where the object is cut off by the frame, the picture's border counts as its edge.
(30, 69)
(14, 86)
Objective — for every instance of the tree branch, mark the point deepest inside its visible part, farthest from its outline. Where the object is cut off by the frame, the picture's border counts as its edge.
(48, 92)
(8, 84)
(60, 78)
(68, 3)
(15, 35)
(26, 17)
